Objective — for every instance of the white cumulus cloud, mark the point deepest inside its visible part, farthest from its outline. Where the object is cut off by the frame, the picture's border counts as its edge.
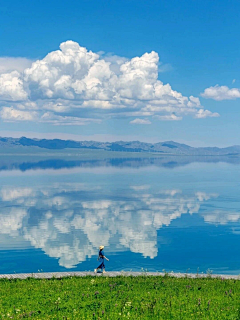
(83, 84)
(221, 93)
(10, 114)
(201, 114)
(11, 87)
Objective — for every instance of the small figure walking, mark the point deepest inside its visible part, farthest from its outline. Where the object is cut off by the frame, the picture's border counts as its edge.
(101, 258)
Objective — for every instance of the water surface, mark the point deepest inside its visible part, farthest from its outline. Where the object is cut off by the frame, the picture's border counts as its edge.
(184, 216)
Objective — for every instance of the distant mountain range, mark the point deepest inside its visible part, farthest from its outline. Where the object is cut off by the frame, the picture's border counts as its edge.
(167, 147)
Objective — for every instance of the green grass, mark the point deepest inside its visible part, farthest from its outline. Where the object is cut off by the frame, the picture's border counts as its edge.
(142, 297)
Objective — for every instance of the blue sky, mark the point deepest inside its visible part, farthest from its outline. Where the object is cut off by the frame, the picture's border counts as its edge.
(116, 88)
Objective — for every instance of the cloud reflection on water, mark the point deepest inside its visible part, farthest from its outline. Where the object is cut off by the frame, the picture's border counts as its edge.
(68, 220)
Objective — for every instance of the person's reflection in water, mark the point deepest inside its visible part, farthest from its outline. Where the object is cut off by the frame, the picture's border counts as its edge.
(101, 258)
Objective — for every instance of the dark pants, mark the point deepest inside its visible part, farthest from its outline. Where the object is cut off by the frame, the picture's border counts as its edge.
(101, 266)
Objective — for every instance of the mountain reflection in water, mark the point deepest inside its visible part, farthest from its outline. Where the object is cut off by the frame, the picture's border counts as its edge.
(33, 163)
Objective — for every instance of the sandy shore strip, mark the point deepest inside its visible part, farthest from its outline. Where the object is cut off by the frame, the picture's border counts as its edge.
(49, 275)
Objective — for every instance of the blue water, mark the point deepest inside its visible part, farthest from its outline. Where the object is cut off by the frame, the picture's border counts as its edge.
(148, 216)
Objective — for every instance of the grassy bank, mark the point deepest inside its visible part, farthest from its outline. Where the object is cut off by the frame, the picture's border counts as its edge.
(142, 297)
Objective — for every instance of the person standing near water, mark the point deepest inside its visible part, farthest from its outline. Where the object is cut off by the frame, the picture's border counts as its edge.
(101, 258)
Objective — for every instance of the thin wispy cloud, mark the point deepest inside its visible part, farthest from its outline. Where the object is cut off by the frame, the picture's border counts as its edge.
(140, 121)
(8, 64)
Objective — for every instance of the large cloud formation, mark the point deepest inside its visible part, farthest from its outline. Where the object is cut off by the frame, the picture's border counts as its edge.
(76, 86)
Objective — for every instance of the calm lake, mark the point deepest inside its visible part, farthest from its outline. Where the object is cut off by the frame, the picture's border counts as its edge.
(151, 214)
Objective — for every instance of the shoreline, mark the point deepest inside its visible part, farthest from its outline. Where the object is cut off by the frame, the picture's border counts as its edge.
(58, 275)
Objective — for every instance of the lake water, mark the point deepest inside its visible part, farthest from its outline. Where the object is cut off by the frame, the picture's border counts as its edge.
(148, 214)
